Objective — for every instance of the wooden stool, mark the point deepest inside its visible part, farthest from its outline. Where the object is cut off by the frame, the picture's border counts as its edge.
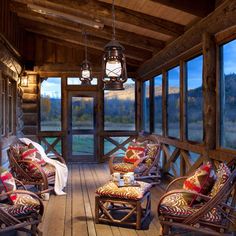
(108, 210)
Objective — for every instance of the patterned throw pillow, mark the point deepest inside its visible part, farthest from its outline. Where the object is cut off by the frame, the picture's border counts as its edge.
(134, 152)
(201, 182)
(29, 153)
(8, 182)
(222, 173)
(151, 152)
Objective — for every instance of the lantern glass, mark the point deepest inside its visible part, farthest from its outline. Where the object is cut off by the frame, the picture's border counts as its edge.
(86, 73)
(113, 68)
(24, 80)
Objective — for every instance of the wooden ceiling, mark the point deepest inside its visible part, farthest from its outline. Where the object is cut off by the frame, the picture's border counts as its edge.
(143, 27)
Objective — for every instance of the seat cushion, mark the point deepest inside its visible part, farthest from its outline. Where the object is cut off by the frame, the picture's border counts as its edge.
(24, 205)
(200, 182)
(124, 167)
(222, 174)
(133, 193)
(176, 205)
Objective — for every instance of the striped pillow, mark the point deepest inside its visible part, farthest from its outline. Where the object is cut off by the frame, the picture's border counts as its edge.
(134, 152)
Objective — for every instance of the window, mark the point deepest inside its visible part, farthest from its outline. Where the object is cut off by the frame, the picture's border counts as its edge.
(173, 97)
(76, 81)
(228, 95)
(158, 103)
(8, 107)
(50, 104)
(146, 106)
(11, 107)
(119, 108)
(3, 104)
(194, 101)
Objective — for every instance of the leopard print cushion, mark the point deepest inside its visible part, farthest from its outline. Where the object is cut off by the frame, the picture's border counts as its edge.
(176, 205)
(24, 205)
(124, 167)
(133, 193)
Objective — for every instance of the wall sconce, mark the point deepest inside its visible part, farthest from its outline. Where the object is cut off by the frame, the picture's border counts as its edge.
(24, 79)
(114, 62)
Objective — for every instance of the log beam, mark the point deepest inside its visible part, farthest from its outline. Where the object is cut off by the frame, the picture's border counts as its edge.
(102, 12)
(125, 38)
(213, 23)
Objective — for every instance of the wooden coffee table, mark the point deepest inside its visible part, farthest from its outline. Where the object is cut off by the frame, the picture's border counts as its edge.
(120, 210)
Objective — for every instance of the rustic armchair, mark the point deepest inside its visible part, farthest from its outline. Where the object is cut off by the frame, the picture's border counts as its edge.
(26, 211)
(30, 172)
(146, 167)
(212, 216)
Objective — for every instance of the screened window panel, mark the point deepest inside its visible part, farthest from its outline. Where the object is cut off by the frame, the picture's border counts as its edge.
(173, 102)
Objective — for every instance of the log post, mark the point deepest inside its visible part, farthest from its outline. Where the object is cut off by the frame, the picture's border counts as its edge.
(209, 91)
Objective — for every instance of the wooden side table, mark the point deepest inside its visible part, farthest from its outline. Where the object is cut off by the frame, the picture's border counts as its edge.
(122, 211)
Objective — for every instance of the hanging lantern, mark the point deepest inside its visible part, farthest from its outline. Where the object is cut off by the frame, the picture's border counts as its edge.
(86, 71)
(114, 63)
(24, 79)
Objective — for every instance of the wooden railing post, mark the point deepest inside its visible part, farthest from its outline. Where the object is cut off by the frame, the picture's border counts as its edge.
(209, 91)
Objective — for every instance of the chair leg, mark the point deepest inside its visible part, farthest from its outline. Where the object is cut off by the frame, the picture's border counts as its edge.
(165, 229)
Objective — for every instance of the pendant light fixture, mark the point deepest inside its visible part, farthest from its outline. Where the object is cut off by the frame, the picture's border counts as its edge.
(114, 63)
(86, 72)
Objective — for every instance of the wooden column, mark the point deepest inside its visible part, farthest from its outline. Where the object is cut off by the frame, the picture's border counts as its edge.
(209, 91)
(164, 103)
(64, 118)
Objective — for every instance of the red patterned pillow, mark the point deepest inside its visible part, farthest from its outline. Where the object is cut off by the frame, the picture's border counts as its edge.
(134, 152)
(29, 153)
(9, 183)
(201, 182)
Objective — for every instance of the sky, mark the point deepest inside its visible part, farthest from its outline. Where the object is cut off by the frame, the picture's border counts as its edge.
(229, 55)
(51, 86)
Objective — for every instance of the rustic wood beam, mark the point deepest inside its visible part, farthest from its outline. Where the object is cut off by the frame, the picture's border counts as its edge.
(199, 8)
(102, 11)
(213, 23)
(124, 37)
(209, 90)
(77, 38)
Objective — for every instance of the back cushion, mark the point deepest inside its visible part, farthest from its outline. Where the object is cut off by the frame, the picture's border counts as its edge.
(29, 153)
(200, 182)
(222, 174)
(151, 152)
(8, 183)
(134, 152)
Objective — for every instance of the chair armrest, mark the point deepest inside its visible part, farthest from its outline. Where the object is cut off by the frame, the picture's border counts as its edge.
(19, 183)
(39, 168)
(176, 181)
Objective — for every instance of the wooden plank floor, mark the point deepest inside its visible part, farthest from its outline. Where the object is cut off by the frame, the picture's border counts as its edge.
(73, 214)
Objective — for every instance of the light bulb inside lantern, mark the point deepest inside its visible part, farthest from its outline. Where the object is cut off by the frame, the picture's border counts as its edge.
(113, 68)
(86, 74)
